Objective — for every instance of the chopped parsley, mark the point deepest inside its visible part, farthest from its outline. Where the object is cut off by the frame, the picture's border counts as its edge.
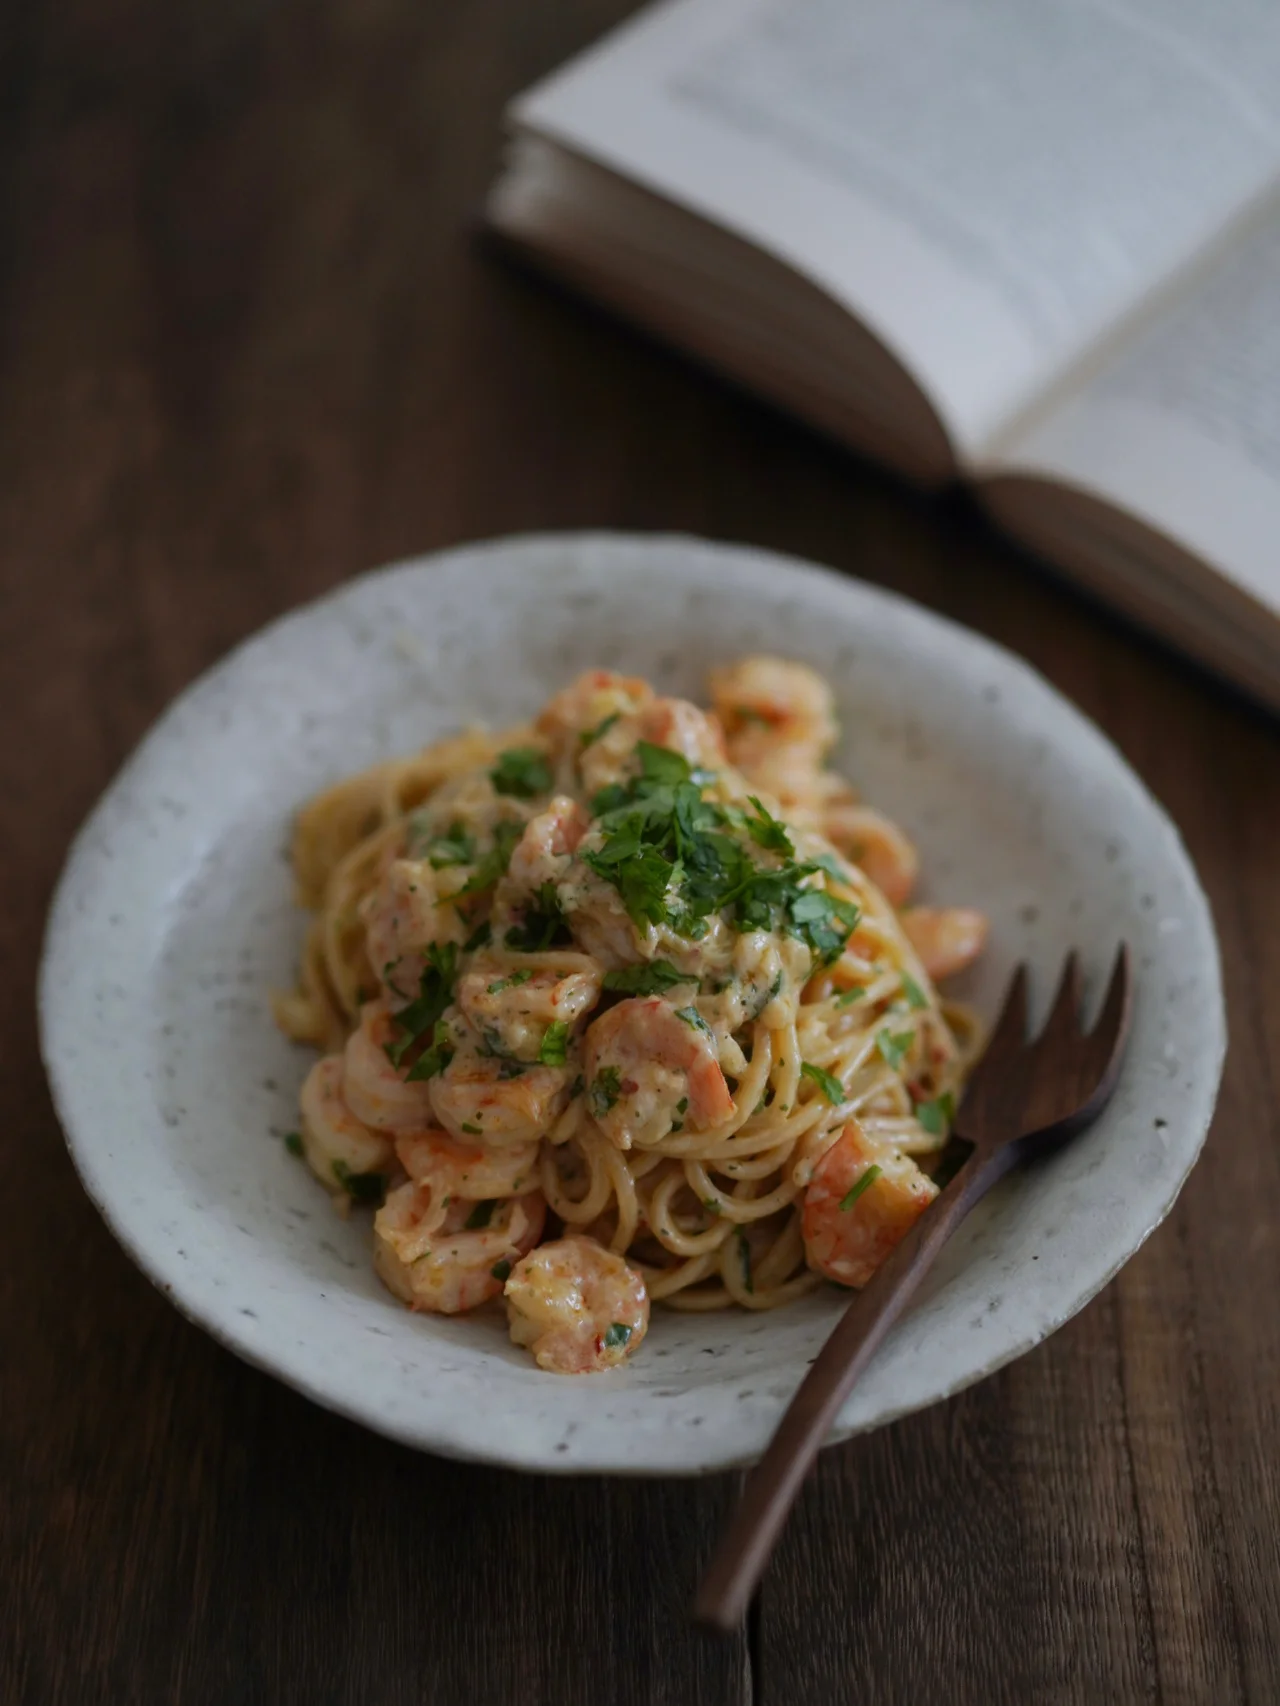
(847, 997)
(661, 764)
(494, 863)
(577, 1087)
(543, 927)
(512, 982)
(554, 1048)
(368, 1188)
(694, 1020)
(711, 1205)
(916, 996)
(893, 1045)
(827, 1082)
(606, 1087)
(676, 858)
(501, 1270)
(864, 1183)
(744, 1256)
(522, 772)
(475, 1130)
(768, 831)
(480, 1215)
(589, 737)
(937, 1115)
(682, 1106)
(293, 1142)
(455, 847)
(435, 992)
(649, 979)
(433, 1059)
(480, 937)
(617, 1336)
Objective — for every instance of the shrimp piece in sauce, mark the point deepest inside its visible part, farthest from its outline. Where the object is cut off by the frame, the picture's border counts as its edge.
(681, 727)
(876, 844)
(947, 938)
(334, 1142)
(402, 917)
(849, 1243)
(501, 1101)
(468, 1170)
(512, 1007)
(577, 1306)
(642, 1061)
(376, 1091)
(446, 1254)
(579, 709)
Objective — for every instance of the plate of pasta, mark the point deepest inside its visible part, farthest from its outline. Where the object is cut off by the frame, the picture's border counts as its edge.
(512, 998)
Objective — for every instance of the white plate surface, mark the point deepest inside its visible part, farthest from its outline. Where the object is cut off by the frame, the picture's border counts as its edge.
(173, 920)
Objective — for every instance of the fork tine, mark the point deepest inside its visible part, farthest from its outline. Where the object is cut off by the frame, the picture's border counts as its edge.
(1009, 1032)
(1064, 1015)
(1113, 1016)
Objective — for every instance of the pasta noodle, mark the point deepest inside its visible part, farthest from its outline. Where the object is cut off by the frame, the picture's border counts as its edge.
(624, 974)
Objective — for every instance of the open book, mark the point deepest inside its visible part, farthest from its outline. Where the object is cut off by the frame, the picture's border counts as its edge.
(1033, 245)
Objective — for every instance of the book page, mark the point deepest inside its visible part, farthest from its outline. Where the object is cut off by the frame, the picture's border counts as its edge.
(1182, 427)
(990, 185)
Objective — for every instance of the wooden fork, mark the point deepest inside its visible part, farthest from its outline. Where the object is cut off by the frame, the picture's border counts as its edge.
(1024, 1097)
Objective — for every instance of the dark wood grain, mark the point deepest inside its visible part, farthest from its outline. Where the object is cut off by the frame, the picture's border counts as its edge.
(248, 348)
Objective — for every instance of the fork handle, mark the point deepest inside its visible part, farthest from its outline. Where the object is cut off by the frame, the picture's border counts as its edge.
(773, 1484)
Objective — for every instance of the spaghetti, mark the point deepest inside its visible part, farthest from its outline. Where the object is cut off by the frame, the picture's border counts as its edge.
(637, 974)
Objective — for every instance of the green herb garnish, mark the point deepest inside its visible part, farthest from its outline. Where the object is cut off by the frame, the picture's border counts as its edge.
(501, 1270)
(369, 1188)
(768, 831)
(649, 979)
(434, 1059)
(543, 925)
(606, 1087)
(435, 992)
(480, 937)
(589, 737)
(512, 982)
(916, 996)
(694, 1020)
(744, 1256)
(617, 1336)
(554, 1048)
(475, 1130)
(864, 1183)
(480, 1215)
(827, 1082)
(494, 863)
(847, 997)
(893, 1045)
(455, 847)
(293, 1142)
(661, 764)
(522, 772)
(937, 1115)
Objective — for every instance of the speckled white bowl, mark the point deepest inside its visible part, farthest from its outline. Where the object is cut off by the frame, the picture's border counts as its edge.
(173, 919)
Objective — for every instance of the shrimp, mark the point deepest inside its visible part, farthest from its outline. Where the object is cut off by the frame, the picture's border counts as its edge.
(402, 917)
(683, 728)
(501, 1101)
(947, 938)
(577, 1306)
(875, 843)
(649, 1069)
(447, 1254)
(337, 1145)
(542, 855)
(586, 703)
(765, 701)
(376, 1091)
(466, 1170)
(512, 1007)
(849, 1231)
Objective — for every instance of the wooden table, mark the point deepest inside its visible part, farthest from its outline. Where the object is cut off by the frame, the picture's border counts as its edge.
(248, 347)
